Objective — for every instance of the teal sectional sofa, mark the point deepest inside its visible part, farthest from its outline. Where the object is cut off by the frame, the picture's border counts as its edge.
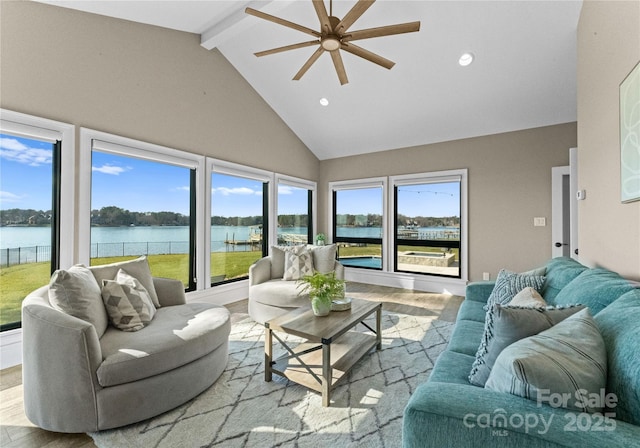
(448, 411)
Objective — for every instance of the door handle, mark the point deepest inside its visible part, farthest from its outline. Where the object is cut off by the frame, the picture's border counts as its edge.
(560, 244)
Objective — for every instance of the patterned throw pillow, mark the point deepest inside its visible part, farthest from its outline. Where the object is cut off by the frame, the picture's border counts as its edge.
(567, 360)
(508, 284)
(298, 262)
(127, 302)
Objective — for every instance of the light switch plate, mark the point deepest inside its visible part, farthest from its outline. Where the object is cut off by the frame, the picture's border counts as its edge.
(539, 222)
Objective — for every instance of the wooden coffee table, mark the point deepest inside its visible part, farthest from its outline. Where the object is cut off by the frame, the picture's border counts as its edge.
(332, 345)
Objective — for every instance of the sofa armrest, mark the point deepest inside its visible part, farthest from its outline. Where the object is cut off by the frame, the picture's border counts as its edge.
(260, 271)
(60, 356)
(170, 291)
(479, 291)
(482, 417)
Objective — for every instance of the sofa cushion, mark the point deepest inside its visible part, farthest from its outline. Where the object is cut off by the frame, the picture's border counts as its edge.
(595, 288)
(75, 292)
(298, 262)
(508, 324)
(618, 324)
(508, 284)
(568, 359)
(127, 302)
(138, 268)
(472, 310)
(278, 292)
(176, 336)
(560, 271)
(529, 298)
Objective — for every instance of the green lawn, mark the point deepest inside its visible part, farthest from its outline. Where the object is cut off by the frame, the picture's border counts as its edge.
(18, 281)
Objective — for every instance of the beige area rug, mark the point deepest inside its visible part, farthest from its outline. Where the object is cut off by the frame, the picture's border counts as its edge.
(242, 410)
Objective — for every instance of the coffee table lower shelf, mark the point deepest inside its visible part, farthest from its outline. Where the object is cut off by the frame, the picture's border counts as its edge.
(307, 368)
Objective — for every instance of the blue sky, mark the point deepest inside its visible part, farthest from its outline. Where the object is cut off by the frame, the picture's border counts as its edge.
(140, 185)
(25, 173)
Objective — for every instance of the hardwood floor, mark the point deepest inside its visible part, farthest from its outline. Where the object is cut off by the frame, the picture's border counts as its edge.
(17, 431)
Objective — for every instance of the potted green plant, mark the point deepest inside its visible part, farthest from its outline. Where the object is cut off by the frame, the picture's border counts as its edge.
(322, 289)
(320, 239)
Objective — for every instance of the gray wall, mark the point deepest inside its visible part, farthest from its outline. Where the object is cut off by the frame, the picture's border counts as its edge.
(608, 48)
(509, 185)
(142, 82)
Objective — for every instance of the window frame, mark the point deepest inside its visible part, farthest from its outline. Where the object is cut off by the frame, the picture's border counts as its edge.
(104, 142)
(431, 177)
(37, 128)
(360, 184)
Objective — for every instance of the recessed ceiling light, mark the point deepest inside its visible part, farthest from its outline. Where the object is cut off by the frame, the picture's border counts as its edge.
(324, 101)
(465, 59)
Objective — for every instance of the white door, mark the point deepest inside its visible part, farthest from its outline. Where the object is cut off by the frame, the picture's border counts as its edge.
(564, 209)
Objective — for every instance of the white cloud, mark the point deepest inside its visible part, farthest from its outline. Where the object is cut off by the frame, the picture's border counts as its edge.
(15, 151)
(6, 196)
(109, 169)
(285, 189)
(181, 189)
(244, 191)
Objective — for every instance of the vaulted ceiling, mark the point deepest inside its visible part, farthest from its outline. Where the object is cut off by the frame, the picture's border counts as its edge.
(523, 74)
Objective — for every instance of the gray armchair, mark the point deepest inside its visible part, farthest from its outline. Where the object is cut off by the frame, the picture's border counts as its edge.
(77, 381)
(270, 295)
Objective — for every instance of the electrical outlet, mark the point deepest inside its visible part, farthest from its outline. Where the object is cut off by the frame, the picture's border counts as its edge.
(486, 276)
(539, 222)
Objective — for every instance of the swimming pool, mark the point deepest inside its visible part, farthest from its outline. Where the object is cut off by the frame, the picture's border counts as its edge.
(362, 262)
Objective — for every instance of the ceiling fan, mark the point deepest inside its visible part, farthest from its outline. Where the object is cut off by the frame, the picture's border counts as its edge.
(334, 35)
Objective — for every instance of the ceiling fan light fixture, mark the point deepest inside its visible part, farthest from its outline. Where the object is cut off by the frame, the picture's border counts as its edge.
(331, 43)
(466, 59)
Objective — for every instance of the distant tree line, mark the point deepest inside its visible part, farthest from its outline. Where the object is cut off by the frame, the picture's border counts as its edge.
(116, 216)
(17, 216)
(375, 220)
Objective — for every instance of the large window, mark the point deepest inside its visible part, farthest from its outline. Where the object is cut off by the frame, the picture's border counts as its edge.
(428, 224)
(295, 211)
(239, 221)
(358, 223)
(142, 207)
(30, 211)
(142, 201)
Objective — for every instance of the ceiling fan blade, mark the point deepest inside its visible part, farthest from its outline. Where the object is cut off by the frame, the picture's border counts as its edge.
(279, 21)
(287, 48)
(353, 15)
(388, 30)
(314, 57)
(321, 10)
(369, 56)
(337, 62)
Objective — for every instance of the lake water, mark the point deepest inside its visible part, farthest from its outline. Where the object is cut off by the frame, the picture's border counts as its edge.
(120, 241)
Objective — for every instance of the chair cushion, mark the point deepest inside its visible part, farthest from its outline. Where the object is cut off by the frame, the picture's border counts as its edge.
(324, 258)
(279, 293)
(176, 336)
(138, 268)
(75, 292)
